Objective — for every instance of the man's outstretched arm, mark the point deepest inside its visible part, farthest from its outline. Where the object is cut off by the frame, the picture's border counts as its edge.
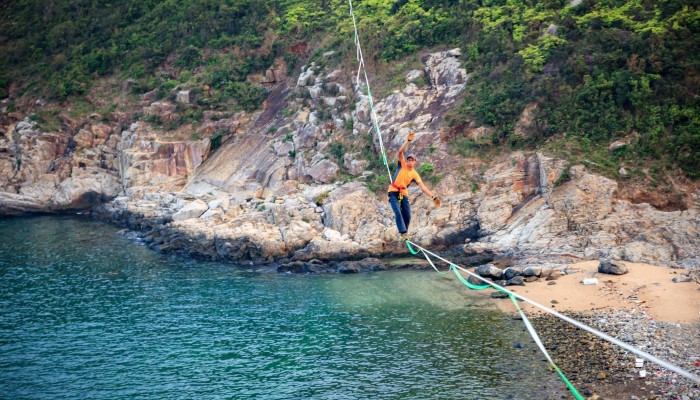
(405, 146)
(402, 150)
(426, 190)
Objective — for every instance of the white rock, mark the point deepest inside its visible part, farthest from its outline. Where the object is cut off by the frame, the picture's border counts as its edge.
(191, 210)
(330, 234)
(184, 97)
(306, 78)
(413, 75)
(455, 52)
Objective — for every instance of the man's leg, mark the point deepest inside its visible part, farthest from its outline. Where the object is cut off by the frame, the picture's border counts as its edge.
(394, 201)
(406, 211)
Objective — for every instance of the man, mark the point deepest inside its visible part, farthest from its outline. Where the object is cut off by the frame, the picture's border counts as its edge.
(398, 190)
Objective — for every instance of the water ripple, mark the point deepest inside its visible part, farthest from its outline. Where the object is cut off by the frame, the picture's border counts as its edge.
(88, 314)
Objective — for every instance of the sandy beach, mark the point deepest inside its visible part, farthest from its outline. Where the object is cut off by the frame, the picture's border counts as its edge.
(643, 307)
(645, 287)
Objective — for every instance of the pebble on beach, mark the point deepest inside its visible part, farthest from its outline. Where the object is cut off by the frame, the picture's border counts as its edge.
(599, 368)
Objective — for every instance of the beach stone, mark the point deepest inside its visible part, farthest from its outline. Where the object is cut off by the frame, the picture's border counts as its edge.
(516, 281)
(490, 271)
(532, 271)
(509, 273)
(612, 267)
(554, 275)
(475, 281)
(682, 278)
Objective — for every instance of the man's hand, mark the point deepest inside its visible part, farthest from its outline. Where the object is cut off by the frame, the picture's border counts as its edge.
(411, 136)
(436, 201)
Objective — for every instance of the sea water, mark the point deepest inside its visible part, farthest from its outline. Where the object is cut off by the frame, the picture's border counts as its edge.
(86, 313)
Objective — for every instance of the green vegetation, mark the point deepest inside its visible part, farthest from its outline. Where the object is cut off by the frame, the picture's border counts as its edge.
(426, 172)
(216, 139)
(612, 69)
(336, 149)
(599, 71)
(321, 198)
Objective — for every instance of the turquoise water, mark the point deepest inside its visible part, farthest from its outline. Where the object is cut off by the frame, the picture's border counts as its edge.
(86, 313)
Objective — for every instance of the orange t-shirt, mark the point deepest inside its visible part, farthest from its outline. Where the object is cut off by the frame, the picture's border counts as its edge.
(403, 177)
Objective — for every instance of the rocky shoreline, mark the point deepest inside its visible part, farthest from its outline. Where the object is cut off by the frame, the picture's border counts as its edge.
(291, 189)
(600, 370)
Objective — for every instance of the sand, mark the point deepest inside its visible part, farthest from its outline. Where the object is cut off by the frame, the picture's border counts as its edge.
(645, 287)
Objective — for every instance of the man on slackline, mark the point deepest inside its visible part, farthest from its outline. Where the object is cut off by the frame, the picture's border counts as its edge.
(398, 190)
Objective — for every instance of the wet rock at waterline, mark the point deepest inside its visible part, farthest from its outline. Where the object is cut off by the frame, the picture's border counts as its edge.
(294, 171)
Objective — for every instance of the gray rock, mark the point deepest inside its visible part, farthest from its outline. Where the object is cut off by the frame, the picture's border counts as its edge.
(612, 267)
(306, 78)
(454, 52)
(554, 275)
(510, 272)
(617, 145)
(357, 167)
(150, 96)
(191, 210)
(25, 125)
(516, 281)
(490, 271)
(682, 278)
(413, 75)
(475, 281)
(532, 271)
(324, 171)
(184, 97)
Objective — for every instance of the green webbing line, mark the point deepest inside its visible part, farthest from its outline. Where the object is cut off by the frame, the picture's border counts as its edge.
(453, 267)
(410, 248)
(414, 252)
(361, 66)
(466, 282)
(534, 335)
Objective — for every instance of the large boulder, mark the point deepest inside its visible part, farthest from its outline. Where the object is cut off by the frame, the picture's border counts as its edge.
(191, 210)
(607, 266)
(324, 171)
(354, 164)
(490, 271)
(353, 210)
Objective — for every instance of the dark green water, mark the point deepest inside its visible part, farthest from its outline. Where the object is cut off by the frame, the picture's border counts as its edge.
(86, 313)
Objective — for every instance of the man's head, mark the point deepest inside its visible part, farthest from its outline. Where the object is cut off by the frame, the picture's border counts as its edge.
(411, 160)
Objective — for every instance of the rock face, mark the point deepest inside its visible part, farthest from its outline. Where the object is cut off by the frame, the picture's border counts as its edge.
(44, 172)
(49, 172)
(582, 218)
(291, 184)
(146, 160)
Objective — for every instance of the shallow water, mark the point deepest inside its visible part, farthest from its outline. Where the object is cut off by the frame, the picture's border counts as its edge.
(86, 313)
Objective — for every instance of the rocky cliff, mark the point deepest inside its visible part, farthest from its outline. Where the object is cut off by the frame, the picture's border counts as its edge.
(292, 184)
